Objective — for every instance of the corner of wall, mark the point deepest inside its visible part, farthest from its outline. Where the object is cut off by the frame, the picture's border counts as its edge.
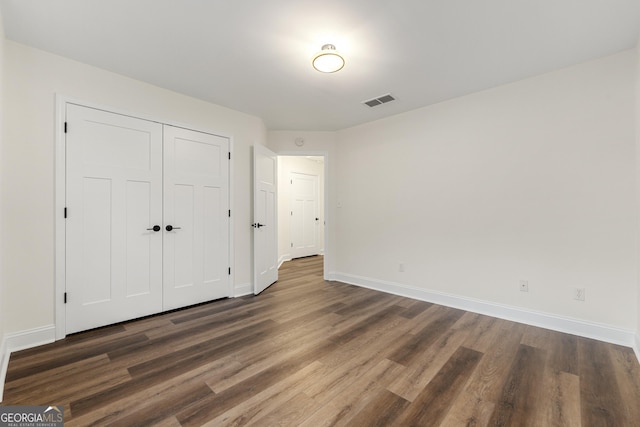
(19, 341)
(284, 258)
(4, 362)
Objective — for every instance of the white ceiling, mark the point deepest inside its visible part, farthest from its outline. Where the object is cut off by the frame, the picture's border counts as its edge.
(254, 55)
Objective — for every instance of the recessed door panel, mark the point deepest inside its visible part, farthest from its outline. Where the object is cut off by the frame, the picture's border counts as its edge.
(139, 246)
(197, 158)
(96, 241)
(118, 147)
(213, 227)
(182, 239)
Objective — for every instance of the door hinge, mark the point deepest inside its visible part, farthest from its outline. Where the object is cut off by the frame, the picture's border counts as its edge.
(229, 155)
(291, 213)
(229, 213)
(65, 213)
(229, 271)
(65, 127)
(65, 297)
(291, 181)
(291, 244)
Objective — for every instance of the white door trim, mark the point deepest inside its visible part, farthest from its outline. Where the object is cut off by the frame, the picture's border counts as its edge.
(327, 217)
(60, 197)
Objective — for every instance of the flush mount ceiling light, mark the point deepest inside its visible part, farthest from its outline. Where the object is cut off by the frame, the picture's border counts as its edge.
(328, 60)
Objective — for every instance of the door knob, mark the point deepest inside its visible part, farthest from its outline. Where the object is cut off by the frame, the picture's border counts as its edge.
(258, 225)
(171, 227)
(155, 228)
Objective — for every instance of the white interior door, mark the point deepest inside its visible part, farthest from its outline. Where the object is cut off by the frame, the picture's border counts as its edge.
(114, 197)
(304, 218)
(196, 217)
(265, 232)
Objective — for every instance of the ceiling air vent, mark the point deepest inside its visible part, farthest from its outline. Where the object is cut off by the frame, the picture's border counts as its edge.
(379, 100)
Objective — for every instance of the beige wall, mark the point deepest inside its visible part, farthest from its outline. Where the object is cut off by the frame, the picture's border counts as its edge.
(33, 79)
(533, 180)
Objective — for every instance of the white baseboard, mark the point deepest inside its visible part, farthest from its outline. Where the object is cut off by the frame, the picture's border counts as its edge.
(242, 290)
(22, 340)
(284, 258)
(554, 322)
(636, 347)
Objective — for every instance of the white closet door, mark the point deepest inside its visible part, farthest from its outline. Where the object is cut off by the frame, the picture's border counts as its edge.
(114, 195)
(196, 220)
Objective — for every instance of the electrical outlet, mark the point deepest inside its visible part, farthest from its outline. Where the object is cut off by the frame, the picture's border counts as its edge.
(578, 294)
(524, 286)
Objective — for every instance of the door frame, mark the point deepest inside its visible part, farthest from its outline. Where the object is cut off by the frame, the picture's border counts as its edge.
(327, 217)
(60, 196)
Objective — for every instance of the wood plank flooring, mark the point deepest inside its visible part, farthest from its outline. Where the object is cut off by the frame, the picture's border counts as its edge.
(313, 353)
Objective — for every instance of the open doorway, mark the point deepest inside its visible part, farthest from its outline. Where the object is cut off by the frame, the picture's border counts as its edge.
(301, 207)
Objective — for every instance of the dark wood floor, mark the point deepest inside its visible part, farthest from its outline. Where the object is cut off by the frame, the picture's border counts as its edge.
(311, 353)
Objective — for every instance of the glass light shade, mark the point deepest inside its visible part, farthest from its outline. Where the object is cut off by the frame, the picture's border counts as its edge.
(328, 60)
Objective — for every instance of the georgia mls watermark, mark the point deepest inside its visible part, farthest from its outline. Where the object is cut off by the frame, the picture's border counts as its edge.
(31, 416)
